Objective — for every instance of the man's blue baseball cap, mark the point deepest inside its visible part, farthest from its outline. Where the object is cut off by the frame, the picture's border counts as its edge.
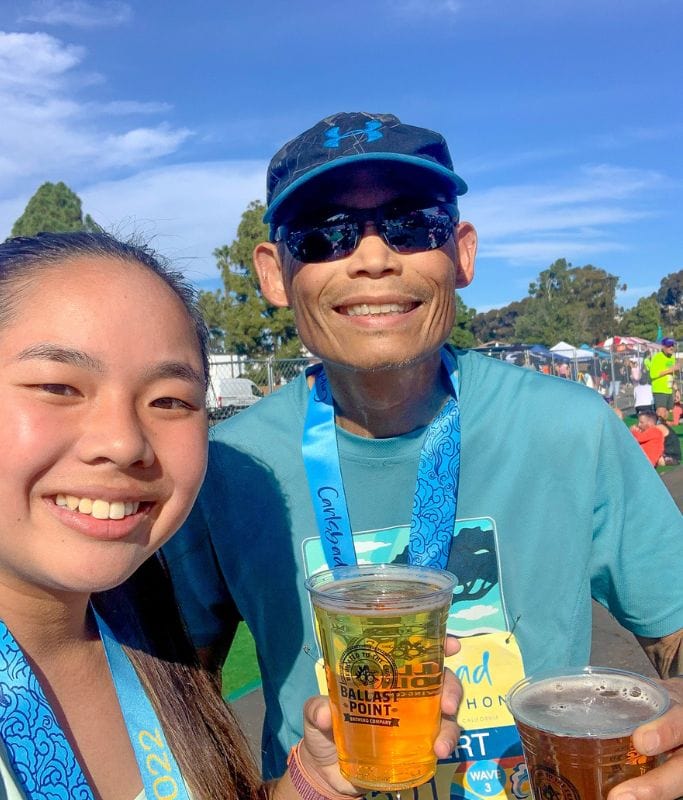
(667, 341)
(351, 138)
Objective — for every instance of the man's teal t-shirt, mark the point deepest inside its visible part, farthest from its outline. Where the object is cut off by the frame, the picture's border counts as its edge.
(556, 504)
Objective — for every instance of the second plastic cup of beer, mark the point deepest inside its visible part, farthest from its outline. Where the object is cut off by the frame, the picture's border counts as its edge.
(382, 630)
(576, 729)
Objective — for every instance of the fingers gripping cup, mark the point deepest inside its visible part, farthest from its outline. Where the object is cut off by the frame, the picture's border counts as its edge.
(382, 629)
(576, 729)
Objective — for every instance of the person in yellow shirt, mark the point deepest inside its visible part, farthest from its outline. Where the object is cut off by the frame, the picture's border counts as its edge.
(662, 368)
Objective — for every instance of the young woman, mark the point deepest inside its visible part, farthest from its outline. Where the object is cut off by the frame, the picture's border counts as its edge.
(102, 450)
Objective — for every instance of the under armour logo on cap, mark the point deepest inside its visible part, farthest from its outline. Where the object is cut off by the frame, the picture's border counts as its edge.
(371, 132)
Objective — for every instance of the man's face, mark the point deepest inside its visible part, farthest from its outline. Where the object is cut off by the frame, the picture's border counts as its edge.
(668, 349)
(375, 308)
(645, 422)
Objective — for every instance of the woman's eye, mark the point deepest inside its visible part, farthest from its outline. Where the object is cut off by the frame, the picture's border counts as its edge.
(172, 403)
(59, 388)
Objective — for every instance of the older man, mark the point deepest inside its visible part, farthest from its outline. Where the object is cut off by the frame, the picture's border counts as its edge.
(398, 448)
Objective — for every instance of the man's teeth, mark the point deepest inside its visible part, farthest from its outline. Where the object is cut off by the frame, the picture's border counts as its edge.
(100, 509)
(364, 309)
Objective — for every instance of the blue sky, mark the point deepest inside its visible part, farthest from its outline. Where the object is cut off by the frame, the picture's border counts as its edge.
(565, 117)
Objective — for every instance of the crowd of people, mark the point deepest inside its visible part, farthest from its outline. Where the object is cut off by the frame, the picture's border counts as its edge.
(393, 448)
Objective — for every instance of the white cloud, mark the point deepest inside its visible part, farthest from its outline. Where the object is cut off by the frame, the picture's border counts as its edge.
(34, 63)
(78, 13)
(186, 210)
(49, 133)
(123, 107)
(575, 215)
(420, 9)
(476, 612)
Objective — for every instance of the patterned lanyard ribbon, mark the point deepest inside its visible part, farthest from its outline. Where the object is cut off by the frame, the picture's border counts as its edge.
(40, 754)
(436, 491)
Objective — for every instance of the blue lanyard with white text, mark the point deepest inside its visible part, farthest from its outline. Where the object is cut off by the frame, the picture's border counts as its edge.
(158, 768)
(436, 490)
(40, 754)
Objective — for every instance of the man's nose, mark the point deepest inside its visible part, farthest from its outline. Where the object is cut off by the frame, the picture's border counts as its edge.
(373, 256)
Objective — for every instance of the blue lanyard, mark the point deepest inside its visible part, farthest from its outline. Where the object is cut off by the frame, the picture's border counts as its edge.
(436, 490)
(40, 754)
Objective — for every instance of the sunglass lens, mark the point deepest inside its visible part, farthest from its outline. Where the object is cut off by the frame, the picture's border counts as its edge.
(324, 243)
(422, 229)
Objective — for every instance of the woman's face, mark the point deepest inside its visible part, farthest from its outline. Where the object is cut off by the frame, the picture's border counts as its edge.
(103, 435)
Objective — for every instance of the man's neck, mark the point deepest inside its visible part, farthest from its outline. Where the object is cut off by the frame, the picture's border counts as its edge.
(390, 402)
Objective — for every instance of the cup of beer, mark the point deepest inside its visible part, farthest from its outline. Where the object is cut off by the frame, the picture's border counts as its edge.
(382, 630)
(576, 726)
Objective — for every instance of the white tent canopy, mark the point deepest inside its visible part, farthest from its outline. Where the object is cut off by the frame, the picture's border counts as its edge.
(569, 351)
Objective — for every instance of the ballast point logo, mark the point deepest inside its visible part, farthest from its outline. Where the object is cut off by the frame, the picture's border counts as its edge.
(367, 686)
(551, 785)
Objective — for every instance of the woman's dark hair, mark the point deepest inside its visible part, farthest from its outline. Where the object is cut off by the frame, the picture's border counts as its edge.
(142, 612)
(23, 258)
(211, 751)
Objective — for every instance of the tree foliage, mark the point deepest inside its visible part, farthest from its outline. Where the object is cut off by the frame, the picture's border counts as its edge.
(575, 304)
(643, 319)
(56, 208)
(242, 320)
(670, 299)
(498, 324)
(461, 333)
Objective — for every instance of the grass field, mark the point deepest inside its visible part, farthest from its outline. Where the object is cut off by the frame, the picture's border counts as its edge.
(241, 673)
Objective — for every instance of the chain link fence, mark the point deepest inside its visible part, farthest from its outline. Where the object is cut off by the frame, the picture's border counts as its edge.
(612, 373)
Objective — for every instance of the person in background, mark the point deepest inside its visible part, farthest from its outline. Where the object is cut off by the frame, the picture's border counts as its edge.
(649, 436)
(386, 451)
(102, 452)
(677, 411)
(662, 369)
(643, 399)
(672, 445)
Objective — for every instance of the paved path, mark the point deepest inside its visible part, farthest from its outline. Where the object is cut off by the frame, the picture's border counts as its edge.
(674, 482)
(612, 645)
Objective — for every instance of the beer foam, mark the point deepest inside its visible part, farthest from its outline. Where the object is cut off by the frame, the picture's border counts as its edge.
(377, 596)
(597, 705)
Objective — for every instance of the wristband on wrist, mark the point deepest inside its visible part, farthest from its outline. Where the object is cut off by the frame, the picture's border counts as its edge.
(306, 786)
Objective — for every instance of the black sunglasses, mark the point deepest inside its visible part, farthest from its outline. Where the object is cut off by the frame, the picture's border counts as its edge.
(405, 231)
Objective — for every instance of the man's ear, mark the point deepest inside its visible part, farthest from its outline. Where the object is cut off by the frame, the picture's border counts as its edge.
(269, 270)
(466, 244)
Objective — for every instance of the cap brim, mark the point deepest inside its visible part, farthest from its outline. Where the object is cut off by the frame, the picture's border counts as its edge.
(445, 174)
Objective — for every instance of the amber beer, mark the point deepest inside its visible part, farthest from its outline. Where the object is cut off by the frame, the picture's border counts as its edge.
(382, 630)
(576, 729)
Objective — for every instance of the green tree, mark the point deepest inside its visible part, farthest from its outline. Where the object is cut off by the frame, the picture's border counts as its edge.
(576, 304)
(643, 319)
(670, 298)
(54, 207)
(461, 333)
(243, 321)
(498, 324)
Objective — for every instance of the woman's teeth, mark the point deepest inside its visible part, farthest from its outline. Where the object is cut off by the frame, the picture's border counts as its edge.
(100, 509)
(364, 309)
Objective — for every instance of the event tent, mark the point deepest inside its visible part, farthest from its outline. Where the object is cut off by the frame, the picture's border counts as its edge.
(574, 353)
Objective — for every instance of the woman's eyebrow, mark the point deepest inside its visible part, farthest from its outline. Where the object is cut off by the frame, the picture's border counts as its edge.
(64, 355)
(77, 358)
(175, 369)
